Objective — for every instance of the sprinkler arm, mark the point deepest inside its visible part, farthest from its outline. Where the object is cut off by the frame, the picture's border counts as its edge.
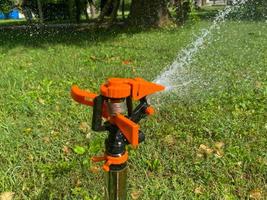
(82, 96)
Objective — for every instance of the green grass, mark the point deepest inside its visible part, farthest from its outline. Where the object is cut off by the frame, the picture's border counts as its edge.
(226, 102)
(10, 22)
(208, 12)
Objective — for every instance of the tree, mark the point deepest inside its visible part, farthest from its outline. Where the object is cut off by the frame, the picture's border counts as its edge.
(149, 13)
(182, 9)
(109, 8)
(40, 11)
(80, 8)
(6, 6)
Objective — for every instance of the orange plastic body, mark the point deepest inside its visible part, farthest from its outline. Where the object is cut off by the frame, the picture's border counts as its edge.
(82, 96)
(120, 88)
(117, 88)
(86, 98)
(128, 128)
(150, 110)
(110, 160)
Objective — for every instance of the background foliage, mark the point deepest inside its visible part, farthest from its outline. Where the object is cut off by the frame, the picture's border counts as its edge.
(252, 10)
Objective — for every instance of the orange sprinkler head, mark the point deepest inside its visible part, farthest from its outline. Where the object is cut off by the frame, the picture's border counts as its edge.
(123, 128)
(120, 89)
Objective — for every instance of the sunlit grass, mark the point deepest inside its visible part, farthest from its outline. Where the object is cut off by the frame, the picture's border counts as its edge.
(8, 22)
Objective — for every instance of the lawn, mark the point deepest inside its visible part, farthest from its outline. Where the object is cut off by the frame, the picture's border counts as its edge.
(8, 22)
(207, 141)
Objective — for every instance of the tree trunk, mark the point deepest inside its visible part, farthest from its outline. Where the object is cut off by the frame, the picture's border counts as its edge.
(105, 9)
(149, 13)
(115, 5)
(123, 9)
(40, 11)
(92, 8)
(71, 10)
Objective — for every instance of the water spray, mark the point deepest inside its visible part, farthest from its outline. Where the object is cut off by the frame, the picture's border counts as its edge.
(113, 112)
(176, 75)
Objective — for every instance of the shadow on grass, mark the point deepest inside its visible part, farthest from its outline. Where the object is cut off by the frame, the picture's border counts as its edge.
(42, 36)
(36, 36)
(78, 35)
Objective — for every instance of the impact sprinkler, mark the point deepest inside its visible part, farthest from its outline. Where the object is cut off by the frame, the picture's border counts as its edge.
(110, 114)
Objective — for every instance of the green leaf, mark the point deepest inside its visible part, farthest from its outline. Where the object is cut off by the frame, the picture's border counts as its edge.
(86, 162)
(79, 150)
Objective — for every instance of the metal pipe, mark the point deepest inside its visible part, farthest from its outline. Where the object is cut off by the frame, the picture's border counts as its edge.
(116, 183)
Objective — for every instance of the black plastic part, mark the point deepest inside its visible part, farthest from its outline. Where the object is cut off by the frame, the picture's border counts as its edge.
(141, 137)
(115, 143)
(140, 111)
(129, 104)
(97, 114)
